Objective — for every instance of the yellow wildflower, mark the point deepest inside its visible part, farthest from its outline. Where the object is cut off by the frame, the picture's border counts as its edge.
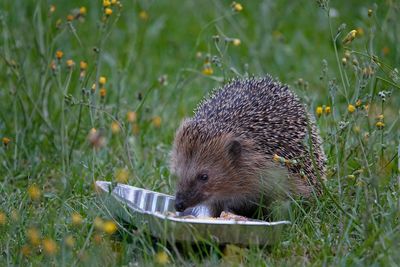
(115, 128)
(113, 2)
(6, 141)
(380, 125)
(385, 50)
(59, 54)
(236, 42)
(49, 246)
(162, 258)
(82, 10)
(380, 117)
(121, 176)
(3, 218)
(327, 110)
(34, 192)
(93, 88)
(33, 236)
(108, 11)
(207, 70)
(131, 116)
(26, 250)
(351, 108)
(156, 121)
(276, 158)
(350, 37)
(102, 80)
(358, 103)
(109, 227)
(360, 31)
(70, 63)
(52, 8)
(135, 129)
(233, 254)
(69, 241)
(70, 17)
(143, 15)
(319, 110)
(106, 3)
(83, 65)
(237, 7)
(76, 219)
(103, 92)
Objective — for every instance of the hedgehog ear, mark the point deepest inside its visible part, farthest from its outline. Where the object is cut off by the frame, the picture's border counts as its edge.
(234, 149)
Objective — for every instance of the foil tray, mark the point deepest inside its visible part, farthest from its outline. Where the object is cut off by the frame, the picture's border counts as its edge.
(142, 207)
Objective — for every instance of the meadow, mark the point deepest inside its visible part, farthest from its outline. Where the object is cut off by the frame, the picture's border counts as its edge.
(94, 90)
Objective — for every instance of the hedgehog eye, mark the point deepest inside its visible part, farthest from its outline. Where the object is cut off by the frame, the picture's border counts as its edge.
(202, 177)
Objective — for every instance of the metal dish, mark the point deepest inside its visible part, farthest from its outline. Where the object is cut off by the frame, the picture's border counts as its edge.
(156, 210)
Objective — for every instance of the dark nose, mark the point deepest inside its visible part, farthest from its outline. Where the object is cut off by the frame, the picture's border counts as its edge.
(179, 205)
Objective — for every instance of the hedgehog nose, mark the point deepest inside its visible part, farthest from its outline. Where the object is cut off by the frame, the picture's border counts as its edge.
(179, 206)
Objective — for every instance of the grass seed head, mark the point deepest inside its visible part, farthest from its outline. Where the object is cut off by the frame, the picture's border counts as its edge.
(350, 37)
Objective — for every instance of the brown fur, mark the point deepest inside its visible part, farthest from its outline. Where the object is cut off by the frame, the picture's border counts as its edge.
(242, 177)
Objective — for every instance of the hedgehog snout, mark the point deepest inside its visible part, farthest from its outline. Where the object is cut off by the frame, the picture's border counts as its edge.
(179, 202)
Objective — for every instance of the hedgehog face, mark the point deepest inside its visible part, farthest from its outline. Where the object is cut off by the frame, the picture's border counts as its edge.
(207, 168)
(204, 173)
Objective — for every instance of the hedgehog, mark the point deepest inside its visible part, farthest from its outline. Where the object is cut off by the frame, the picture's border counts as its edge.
(248, 144)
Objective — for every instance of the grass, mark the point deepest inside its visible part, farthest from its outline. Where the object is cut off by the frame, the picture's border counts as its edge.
(157, 58)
